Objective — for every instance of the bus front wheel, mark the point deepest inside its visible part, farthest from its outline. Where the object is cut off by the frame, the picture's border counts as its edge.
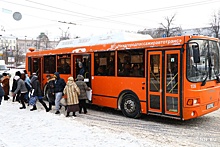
(130, 106)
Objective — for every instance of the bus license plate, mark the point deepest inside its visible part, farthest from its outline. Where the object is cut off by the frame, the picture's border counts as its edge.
(210, 106)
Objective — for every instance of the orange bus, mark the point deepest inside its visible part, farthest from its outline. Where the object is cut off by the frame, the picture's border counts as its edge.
(176, 77)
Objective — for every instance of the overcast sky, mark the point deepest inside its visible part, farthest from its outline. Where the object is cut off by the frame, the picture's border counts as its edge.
(94, 17)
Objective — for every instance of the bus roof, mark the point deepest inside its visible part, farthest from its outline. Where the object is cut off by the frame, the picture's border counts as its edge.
(103, 39)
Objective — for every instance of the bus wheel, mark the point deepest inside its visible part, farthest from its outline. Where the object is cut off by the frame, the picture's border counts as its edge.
(130, 106)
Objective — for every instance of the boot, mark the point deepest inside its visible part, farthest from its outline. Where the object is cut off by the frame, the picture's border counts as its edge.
(74, 114)
(68, 114)
(50, 106)
(34, 108)
(44, 104)
(57, 112)
(6, 97)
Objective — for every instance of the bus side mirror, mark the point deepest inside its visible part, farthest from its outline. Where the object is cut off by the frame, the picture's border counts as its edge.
(196, 53)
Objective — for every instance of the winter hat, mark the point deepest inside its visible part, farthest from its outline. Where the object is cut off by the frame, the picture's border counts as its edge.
(70, 79)
(80, 77)
(18, 73)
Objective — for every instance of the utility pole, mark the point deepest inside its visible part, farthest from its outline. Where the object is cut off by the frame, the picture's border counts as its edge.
(65, 37)
(16, 59)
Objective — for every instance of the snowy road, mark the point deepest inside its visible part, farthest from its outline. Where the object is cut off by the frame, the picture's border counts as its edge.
(102, 127)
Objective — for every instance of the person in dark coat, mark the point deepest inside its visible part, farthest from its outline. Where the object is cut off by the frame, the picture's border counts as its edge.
(22, 89)
(2, 93)
(82, 97)
(5, 85)
(14, 85)
(81, 69)
(58, 90)
(38, 93)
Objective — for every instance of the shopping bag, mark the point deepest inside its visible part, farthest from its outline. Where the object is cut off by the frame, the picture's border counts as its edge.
(89, 94)
(32, 100)
(63, 102)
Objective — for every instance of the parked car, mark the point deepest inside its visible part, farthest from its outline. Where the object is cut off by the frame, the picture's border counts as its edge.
(4, 69)
(21, 66)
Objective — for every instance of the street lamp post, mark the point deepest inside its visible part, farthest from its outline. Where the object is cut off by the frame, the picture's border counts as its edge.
(25, 43)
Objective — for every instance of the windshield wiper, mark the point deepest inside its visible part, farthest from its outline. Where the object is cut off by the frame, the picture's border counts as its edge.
(204, 81)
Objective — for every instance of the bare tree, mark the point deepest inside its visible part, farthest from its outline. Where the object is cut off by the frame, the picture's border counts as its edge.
(215, 24)
(168, 29)
(198, 31)
(19, 55)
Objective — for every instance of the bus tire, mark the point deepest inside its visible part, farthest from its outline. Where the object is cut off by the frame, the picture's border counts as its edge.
(130, 106)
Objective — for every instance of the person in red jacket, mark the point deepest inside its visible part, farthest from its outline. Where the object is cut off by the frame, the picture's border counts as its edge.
(5, 85)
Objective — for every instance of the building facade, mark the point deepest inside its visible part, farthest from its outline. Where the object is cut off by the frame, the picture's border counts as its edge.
(13, 49)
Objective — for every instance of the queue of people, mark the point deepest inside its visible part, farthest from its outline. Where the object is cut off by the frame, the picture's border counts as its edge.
(73, 91)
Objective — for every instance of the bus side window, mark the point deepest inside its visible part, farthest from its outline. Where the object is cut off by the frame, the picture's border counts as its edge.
(104, 64)
(63, 66)
(135, 71)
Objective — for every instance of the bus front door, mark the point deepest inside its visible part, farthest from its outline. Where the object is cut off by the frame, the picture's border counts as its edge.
(164, 83)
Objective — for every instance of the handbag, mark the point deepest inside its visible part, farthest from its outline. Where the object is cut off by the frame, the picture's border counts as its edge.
(32, 100)
(89, 94)
(63, 102)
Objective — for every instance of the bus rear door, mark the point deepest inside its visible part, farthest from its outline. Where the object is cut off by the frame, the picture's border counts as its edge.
(85, 59)
(36, 66)
(164, 84)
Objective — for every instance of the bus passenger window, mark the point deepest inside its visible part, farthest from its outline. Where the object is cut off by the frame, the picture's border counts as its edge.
(49, 62)
(131, 63)
(135, 71)
(63, 66)
(104, 64)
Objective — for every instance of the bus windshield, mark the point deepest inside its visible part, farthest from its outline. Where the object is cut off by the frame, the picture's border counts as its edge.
(208, 68)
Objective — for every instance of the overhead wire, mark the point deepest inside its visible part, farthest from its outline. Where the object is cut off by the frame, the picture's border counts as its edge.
(137, 12)
(91, 17)
(85, 15)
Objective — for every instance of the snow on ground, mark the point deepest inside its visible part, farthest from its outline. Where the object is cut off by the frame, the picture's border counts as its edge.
(23, 128)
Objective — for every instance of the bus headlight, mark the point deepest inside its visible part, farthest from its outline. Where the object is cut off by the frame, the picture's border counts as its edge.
(195, 101)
